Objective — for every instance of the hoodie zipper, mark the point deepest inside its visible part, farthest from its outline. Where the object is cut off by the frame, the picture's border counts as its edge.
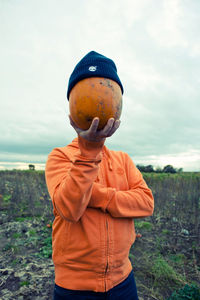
(107, 236)
(106, 269)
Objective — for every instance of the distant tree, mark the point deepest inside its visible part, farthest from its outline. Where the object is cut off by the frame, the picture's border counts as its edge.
(31, 167)
(147, 169)
(158, 170)
(141, 168)
(169, 169)
(166, 169)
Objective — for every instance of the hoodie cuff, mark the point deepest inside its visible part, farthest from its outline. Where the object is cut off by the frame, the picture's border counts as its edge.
(101, 196)
(90, 150)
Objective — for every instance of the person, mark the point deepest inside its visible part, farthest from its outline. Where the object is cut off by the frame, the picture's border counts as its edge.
(96, 194)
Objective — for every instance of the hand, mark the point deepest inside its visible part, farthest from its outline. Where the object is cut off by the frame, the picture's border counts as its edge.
(92, 134)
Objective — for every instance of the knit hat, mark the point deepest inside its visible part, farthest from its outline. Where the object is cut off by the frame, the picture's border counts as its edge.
(93, 65)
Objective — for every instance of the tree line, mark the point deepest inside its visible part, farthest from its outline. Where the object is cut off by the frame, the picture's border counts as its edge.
(146, 169)
(166, 169)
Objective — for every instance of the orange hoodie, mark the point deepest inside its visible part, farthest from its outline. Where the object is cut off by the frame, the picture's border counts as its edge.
(96, 193)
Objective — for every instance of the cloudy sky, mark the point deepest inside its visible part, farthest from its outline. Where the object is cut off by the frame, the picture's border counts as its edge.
(156, 47)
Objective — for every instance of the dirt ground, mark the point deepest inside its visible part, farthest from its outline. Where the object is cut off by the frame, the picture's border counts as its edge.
(24, 272)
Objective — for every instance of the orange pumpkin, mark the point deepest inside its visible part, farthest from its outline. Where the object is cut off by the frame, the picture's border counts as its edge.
(95, 97)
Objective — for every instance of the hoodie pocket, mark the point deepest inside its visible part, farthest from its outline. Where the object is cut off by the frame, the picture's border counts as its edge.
(60, 239)
(124, 237)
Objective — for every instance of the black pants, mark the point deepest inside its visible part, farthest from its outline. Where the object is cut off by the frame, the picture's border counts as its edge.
(126, 290)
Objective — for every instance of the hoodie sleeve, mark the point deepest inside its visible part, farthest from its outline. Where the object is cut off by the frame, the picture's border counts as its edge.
(69, 182)
(137, 202)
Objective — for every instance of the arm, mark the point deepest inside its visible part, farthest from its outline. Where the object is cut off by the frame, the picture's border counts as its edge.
(70, 182)
(137, 202)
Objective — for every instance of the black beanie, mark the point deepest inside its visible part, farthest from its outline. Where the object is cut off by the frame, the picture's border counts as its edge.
(93, 65)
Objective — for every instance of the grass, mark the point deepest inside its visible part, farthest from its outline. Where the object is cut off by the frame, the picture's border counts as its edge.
(188, 292)
(178, 258)
(24, 283)
(40, 238)
(22, 219)
(143, 225)
(164, 273)
(16, 235)
(31, 232)
(7, 198)
(46, 249)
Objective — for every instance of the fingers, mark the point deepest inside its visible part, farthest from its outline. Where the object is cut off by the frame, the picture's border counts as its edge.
(111, 126)
(94, 125)
(105, 131)
(114, 127)
(92, 133)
